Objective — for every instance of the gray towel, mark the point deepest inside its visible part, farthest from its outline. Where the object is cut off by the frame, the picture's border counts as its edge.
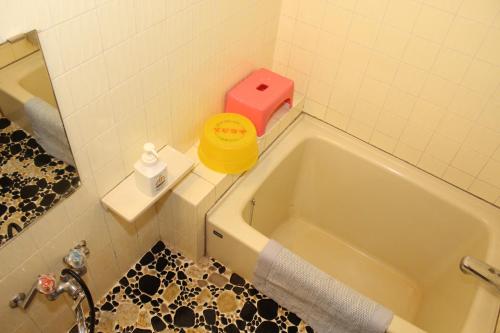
(48, 129)
(324, 303)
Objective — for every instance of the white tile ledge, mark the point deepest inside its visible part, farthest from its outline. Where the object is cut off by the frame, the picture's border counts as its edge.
(222, 181)
(128, 202)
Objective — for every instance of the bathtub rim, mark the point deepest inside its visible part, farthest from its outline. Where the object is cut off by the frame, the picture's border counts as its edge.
(226, 215)
(15, 72)
(485, 211)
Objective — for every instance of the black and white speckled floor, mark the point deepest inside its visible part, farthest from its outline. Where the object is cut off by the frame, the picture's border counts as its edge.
(31, 181)
(165, 292)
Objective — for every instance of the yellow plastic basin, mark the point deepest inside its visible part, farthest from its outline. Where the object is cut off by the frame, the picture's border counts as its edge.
(228, 143)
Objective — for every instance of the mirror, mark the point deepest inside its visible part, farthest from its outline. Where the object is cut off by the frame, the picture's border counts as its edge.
(37, 169)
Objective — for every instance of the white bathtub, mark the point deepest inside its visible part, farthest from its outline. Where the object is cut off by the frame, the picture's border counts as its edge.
(21, 81)
(380, 225)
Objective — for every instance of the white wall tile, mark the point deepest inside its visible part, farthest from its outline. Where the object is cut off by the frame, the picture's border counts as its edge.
(148, 231)
(467, 103)
(466, 35)
(457, 177)
(63, 10)
(126, 99)
(383, 141)
(438, 91)
(80, 201)
(373, 9)
(87, 82)
(154, 79)
(95, 118)
(113, 65)
(442, 148)
(483, 140)
(44, 230)
(49, 40)
(306, 35)
(311, 11)
(432, 24)
(410, 79)
(482, 77)
(484, 190)
(104, 148)
(416, 135)
(337, 20)
(18, 280)
(402, 14)
(490, 117)
(151, 44)
(391, 41)
(491, 173)
(421, 53)
(28, 326)
(451, 65)
(454, 127)
(482, 11)
(58, 247)
(469, 161)
(432, 165)
(62, 92)
(124, 239)
(12, 253)
(75, 51)
(363, 30)
(417, 78)
(382, 68)
(490, 50)
(103, 268)
(116, 21)
(407, 153)
(148, 13)
(122, 62)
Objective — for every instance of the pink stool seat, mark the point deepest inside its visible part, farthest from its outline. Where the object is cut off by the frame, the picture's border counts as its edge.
(258, 96)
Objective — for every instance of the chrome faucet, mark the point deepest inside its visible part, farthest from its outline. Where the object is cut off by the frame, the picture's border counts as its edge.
(69, 282)
(481, 270)
(77, 258)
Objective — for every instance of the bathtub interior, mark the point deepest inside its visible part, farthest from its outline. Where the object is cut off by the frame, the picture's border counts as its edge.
(381, 234)
(21, 81)
(37, 82)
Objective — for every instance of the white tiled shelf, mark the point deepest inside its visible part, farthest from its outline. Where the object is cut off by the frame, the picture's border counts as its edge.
(127, 201)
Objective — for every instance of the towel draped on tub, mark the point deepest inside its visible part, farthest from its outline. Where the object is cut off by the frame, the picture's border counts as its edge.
(48, 129)
(326, 304)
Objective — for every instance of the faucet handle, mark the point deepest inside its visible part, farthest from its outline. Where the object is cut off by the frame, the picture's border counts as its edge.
(76, 258)
(82, 245)
(46, 283)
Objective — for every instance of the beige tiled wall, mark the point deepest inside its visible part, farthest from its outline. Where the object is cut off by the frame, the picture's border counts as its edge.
(124, 72)
(181, 213)
(419, 79)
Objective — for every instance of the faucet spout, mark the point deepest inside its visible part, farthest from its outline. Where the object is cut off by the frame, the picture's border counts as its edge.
(481, 270)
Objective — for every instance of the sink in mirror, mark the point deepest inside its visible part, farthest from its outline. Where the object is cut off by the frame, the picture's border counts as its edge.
(37, 168)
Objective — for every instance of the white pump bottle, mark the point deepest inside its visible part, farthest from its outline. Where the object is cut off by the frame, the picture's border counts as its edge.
(150, 172)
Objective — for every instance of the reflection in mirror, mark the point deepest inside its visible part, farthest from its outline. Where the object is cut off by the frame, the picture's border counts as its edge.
(37, 168)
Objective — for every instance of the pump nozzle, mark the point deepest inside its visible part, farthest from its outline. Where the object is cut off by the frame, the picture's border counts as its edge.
(150, 155)
(150, 148)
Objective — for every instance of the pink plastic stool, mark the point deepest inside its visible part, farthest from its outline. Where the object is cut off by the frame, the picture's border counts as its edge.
(258, 96)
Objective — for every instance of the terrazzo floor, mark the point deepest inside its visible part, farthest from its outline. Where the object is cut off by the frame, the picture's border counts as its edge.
(31, 181)
(166, 292)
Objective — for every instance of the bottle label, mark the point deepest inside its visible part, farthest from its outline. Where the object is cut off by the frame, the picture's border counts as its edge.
(159, 182)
